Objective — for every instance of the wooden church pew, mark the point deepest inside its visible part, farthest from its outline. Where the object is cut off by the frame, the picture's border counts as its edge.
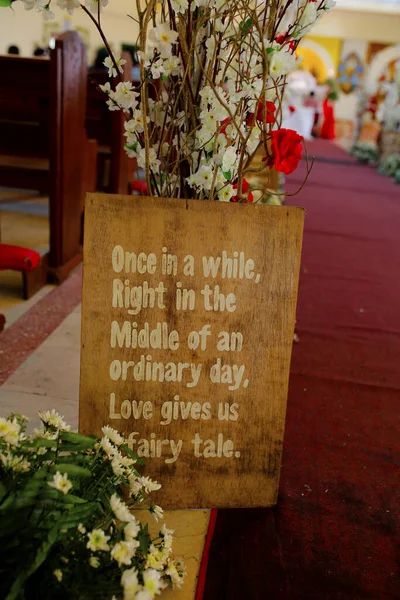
(107, 127)
(115, 171)
(43, 143)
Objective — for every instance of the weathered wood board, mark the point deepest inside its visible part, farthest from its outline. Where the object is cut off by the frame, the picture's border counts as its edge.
(188, 320)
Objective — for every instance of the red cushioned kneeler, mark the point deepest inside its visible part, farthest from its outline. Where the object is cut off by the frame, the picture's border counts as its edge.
(28, 262)
(17, 258)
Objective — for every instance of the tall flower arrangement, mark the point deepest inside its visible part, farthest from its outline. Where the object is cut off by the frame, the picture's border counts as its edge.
(213, 76)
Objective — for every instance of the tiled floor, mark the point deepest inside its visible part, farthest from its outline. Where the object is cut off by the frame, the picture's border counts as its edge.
(49, 378)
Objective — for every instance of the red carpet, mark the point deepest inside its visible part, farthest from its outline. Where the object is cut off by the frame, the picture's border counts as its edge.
(335, 532)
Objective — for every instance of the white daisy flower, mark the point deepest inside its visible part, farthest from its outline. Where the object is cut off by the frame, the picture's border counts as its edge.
(130, 583)
(60, 483)
(131, 530)
(9, 431)
(120, 509)
(157, 512)
(97, 540)
(123, 552)
(53, 419)
(149, 485)
(94, 562)
(153, 581)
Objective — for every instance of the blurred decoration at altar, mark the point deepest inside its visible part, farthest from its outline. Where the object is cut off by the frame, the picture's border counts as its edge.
(347, 83)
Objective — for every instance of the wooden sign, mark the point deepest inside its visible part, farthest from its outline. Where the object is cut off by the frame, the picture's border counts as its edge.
(188, 320)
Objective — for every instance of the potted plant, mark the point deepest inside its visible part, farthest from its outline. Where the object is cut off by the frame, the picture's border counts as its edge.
(66, 525)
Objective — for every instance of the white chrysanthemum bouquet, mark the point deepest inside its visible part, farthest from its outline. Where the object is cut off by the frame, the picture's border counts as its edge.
(213, 75)
(66, 525)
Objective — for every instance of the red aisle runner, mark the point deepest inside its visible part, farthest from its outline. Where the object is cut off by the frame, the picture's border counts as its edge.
(335, 532)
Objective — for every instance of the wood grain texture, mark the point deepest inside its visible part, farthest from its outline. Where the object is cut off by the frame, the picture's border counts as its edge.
(265, 315)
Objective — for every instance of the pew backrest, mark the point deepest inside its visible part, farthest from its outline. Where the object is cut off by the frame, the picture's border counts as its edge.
(24, 106)
(107, 127)
(67, 117)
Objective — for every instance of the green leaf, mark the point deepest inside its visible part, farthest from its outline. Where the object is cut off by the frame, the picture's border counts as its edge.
(227, 175)
(246, 26)
(75, 499)
(70, 469)
(144, 539)
(5, 3)
(77, 438)
(78, 514)
(132, 454)
(81, 459)
(42, 473)
(132, 146)
(40, 557)
(43, 443)
(3, 490)
(9, 501)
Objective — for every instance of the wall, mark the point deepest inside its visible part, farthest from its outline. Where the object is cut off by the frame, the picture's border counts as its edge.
(332, 45)
(373, 27)
(25, 28)
(320, 55)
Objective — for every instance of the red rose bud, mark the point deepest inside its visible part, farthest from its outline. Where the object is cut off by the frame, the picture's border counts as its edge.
(282, 39)
(250, 120)
(287, 150)
(139, 186)
(265, 112)
(245, 186)
(225, 124)
(245, 189)
(292, 109)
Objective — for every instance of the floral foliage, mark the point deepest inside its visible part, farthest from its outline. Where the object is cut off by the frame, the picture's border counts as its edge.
(208, 67)
(66, 526)
(391, 166)
(365, 153)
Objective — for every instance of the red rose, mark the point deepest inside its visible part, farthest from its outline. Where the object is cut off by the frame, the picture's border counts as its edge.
(286, 147)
